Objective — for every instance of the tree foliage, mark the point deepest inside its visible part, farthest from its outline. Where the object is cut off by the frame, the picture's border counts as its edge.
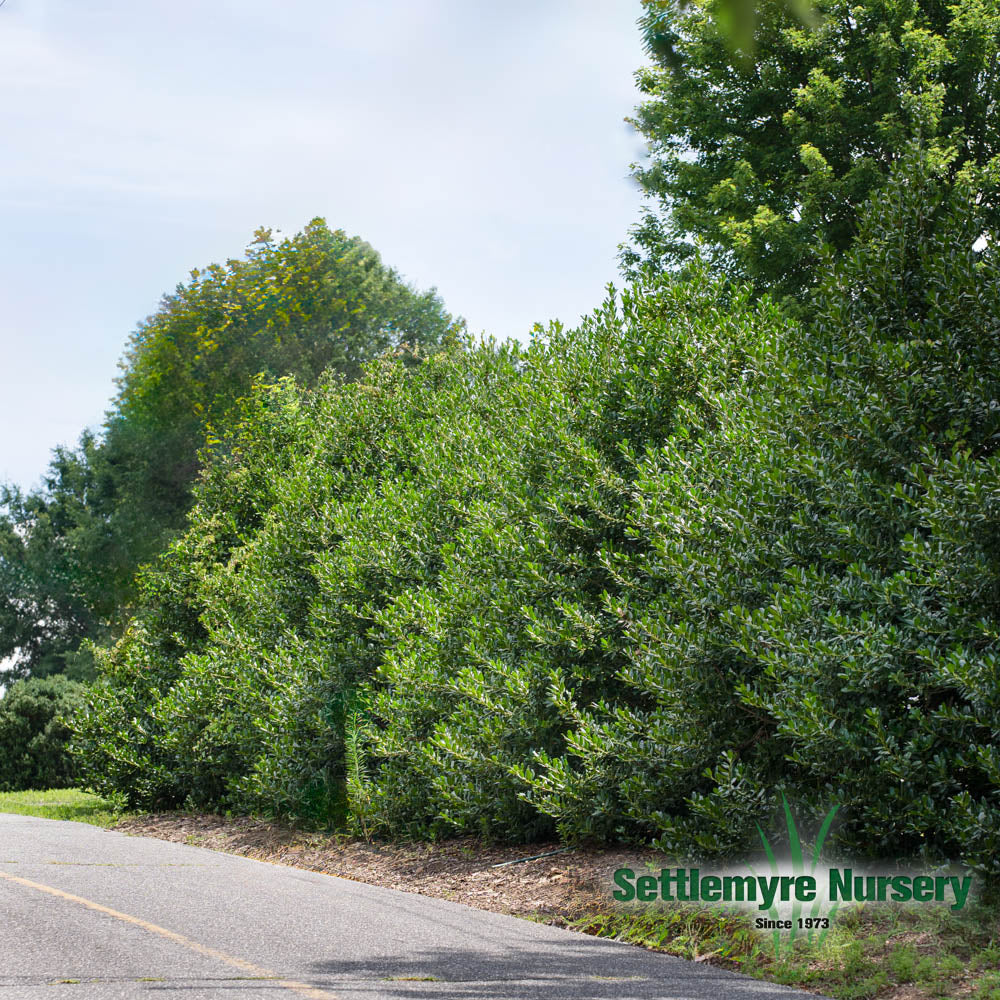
(313, 303)
(316, 302)
(761, 162)
(59, 566)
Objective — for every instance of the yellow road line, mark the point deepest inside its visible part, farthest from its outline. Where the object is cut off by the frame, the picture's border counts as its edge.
(303, 989)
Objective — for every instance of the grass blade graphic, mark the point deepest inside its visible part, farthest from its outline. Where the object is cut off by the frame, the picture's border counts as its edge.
(797, 857)
(821, 836)
(820, 839)
(795, 848)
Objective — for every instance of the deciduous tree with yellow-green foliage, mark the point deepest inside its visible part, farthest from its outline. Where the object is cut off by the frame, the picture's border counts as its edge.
(763, 155)
(318, 301)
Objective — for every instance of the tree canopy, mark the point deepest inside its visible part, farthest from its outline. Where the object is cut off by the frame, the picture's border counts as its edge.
(758, 163)
(319, 301)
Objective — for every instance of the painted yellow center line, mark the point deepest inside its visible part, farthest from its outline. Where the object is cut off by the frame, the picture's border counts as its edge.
(303, 989)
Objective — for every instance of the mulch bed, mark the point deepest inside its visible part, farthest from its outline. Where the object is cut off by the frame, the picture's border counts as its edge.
(559, 887)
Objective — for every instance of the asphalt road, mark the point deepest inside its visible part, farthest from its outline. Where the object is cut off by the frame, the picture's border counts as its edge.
(91, 914)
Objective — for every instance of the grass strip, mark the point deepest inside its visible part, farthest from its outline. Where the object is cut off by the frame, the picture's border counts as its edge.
(889, 950)
(63, 803)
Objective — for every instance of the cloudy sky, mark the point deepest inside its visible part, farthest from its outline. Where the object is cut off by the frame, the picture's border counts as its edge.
(479, 146)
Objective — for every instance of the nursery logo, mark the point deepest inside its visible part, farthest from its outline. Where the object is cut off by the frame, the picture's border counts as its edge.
(796, 896)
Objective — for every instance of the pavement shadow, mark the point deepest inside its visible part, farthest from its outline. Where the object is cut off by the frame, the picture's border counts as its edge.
(586, 970)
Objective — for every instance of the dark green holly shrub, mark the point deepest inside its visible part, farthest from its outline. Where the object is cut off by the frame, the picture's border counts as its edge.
(629, 582)
(477, 484)
(34, 733)
(817, 611)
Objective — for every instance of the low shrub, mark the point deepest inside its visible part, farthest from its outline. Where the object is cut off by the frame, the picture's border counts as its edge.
(34, 733)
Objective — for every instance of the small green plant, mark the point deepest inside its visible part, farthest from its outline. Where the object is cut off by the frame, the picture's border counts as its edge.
(359, 804)
(988, 987)
(902, 963)
(987, 958)
(934, 970)
(697, 933)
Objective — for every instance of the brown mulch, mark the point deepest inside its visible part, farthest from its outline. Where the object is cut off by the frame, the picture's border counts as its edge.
(558, 887)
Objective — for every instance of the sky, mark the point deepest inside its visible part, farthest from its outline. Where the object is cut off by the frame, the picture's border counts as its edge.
(480, 147)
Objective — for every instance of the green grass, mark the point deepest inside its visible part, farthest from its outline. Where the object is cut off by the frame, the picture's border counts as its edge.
(62, 803)
(869, 951)
(699, 933)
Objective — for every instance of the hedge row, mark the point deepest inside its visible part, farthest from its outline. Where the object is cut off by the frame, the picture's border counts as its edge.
(629, 582)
